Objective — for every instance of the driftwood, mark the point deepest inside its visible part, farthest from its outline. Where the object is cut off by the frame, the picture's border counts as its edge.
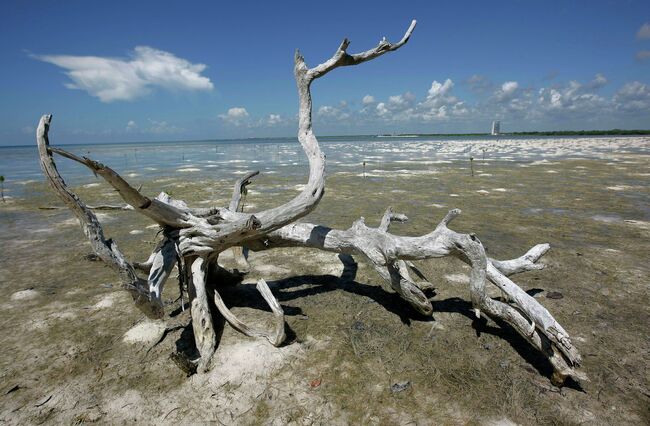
(192, 240)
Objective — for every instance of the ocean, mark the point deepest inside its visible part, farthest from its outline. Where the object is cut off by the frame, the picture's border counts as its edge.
(225, 159)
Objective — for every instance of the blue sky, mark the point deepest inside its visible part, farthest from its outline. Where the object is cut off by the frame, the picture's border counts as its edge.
(135, 71)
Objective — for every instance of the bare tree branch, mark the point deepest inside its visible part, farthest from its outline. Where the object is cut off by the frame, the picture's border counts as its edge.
(240, 189)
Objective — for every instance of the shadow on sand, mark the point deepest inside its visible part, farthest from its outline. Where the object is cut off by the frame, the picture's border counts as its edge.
(300, 286)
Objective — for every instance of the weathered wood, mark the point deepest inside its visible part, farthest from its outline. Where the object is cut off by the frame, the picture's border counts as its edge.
(193, 238)
(386, 252)
(239, 190)
(97, 207)
(106, 249)
(162, 213)
(276, 337)
(201, 315)
(236, 205)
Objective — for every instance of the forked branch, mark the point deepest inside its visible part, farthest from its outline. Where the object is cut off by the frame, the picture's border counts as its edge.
(193, 239)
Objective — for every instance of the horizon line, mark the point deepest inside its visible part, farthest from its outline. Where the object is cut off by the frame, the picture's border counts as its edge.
(607, 132)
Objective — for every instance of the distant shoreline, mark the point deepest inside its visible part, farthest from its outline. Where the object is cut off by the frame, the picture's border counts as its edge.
(325, 138)
(612, 132)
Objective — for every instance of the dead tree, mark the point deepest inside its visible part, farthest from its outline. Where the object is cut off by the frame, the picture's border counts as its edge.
(193, 238)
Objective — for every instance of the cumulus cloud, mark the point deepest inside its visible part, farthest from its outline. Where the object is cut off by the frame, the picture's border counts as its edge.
(574, 98)
(333, 113)
(633, 97)
(274, 119)
(440, 103)
(644, 32)
(438, 90)
(555, 103)
(235, 116)
(396, 108)
(382, 111)
(507, 91)
(368, 99)
(120, 79)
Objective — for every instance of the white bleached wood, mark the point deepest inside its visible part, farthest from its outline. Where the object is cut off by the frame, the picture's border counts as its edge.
(163, 260)
(106, 249)
(388, 217)
(386, 252)
(162, 213)
(196, 237)
(204, 334)
(527, 262)
(202, 238)
(240, 189)
(276, 337)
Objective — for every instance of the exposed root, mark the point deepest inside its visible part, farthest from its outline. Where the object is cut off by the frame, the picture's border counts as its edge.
(192, 240)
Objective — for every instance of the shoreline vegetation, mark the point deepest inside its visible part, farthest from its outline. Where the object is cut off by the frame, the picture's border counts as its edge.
(611, 132)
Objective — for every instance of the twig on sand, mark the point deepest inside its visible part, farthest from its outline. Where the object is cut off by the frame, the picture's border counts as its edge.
(170, 411)
(40, 404)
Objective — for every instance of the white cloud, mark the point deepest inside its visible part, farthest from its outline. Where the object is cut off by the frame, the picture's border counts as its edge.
(508, 100)
(555, 104)
(397, 108)
(381, 109)
(439, 90)
(331, 113)
(507, 91)
(440, 104)
(131, 126)
(117, 79)
(274, 119)
(644, 31)
(368, 99)
(401, 101)
(574, 99)
(235, 116)
(633, 97)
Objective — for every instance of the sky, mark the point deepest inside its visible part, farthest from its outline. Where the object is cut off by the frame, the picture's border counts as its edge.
(186, 70)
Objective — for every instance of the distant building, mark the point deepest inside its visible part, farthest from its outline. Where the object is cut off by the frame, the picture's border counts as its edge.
(496, 127)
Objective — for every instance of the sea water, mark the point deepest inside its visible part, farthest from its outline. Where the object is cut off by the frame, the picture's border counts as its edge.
(223, 159)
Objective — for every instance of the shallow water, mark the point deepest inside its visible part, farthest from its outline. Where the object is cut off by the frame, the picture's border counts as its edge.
(65, 324)
(224, 159)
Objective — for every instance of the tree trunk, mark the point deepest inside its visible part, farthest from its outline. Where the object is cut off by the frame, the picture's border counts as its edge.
(192, 240)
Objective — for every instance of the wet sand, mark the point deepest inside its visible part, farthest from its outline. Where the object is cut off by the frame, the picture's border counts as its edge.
(75, 349)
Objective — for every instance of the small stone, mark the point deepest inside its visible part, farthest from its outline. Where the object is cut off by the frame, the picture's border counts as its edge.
(554, 295)
(358, 326)
(400, 386)
(27, 294)
(91, 257)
